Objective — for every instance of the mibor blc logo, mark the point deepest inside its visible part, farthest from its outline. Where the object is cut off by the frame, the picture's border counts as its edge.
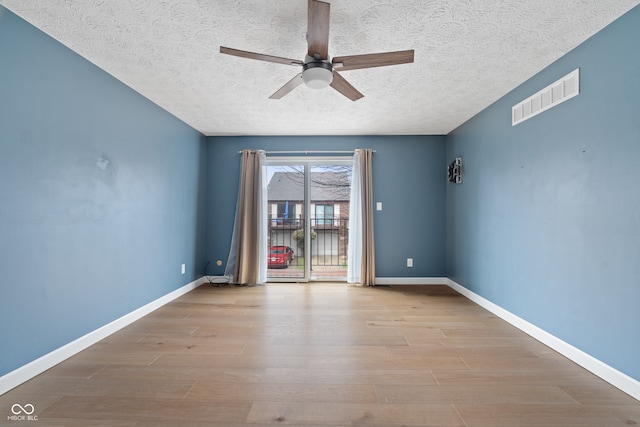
(22, 412)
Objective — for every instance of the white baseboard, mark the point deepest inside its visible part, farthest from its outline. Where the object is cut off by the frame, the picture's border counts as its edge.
(411, 281)
(590, 363)
(49, 360)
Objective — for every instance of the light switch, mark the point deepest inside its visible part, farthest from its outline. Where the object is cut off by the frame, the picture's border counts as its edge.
(379, 206)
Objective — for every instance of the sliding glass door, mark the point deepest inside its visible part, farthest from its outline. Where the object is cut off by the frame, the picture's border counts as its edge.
(308, 218)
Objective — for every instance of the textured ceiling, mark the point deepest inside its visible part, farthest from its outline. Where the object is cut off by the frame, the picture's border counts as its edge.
(468, 53)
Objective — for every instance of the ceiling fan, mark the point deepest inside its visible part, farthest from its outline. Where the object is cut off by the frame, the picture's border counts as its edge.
(317, 71)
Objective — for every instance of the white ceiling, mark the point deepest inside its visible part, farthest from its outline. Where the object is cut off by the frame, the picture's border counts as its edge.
(468, 53)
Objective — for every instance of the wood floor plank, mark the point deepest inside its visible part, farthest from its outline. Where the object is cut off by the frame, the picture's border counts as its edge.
(506, 363)
(76, 370)
(479, 394)
(86, 422)
(547, 415)
(170, 344)
(503, 377)
(270, 350)
(383, 361)
(182, 372)
(152, 388)
(474, 342)
(339, 339)
(213, 423)
(331, 414)
(94, 355)
(460, 351)
(145, 409)
(230, 361)
(597, 393)
(282, 392)
(359, 376)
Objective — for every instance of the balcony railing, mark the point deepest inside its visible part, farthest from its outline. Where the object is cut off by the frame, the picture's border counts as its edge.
(329, 239)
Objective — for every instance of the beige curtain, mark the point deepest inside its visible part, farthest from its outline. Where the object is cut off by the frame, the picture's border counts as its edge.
(247, 256)
(361, 266)
(368, 247)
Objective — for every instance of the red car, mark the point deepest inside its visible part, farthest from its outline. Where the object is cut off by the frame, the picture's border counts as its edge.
(279, 257)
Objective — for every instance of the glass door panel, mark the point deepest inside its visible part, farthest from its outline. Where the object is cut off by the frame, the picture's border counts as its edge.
(286, 222)
(329, 194)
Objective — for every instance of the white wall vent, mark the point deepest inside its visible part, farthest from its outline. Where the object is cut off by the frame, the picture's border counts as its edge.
(552, 95)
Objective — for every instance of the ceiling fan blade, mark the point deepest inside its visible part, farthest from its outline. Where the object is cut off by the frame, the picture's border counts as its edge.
(288, 87)
(318, 29)
(355, 62)
(259, 56)
(344, 87)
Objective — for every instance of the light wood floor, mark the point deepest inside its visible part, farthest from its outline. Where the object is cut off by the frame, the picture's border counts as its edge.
(323, 355)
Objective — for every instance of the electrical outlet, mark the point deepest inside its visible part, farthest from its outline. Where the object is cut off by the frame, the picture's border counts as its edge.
(183, 268)
(409, 262)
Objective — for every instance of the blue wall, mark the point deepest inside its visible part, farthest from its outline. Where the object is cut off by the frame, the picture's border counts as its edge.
(409, 179)
(101, 196)
(547, 221)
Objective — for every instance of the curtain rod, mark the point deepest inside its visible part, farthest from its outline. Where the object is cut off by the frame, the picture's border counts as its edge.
(305, 152)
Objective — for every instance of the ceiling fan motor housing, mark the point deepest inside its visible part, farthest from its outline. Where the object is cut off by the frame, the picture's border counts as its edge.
(317, 74)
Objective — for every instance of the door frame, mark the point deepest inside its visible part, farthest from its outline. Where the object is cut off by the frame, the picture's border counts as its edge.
(307, 163)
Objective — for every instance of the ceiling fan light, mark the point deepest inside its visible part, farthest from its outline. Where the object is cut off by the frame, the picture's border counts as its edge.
(317, 75)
